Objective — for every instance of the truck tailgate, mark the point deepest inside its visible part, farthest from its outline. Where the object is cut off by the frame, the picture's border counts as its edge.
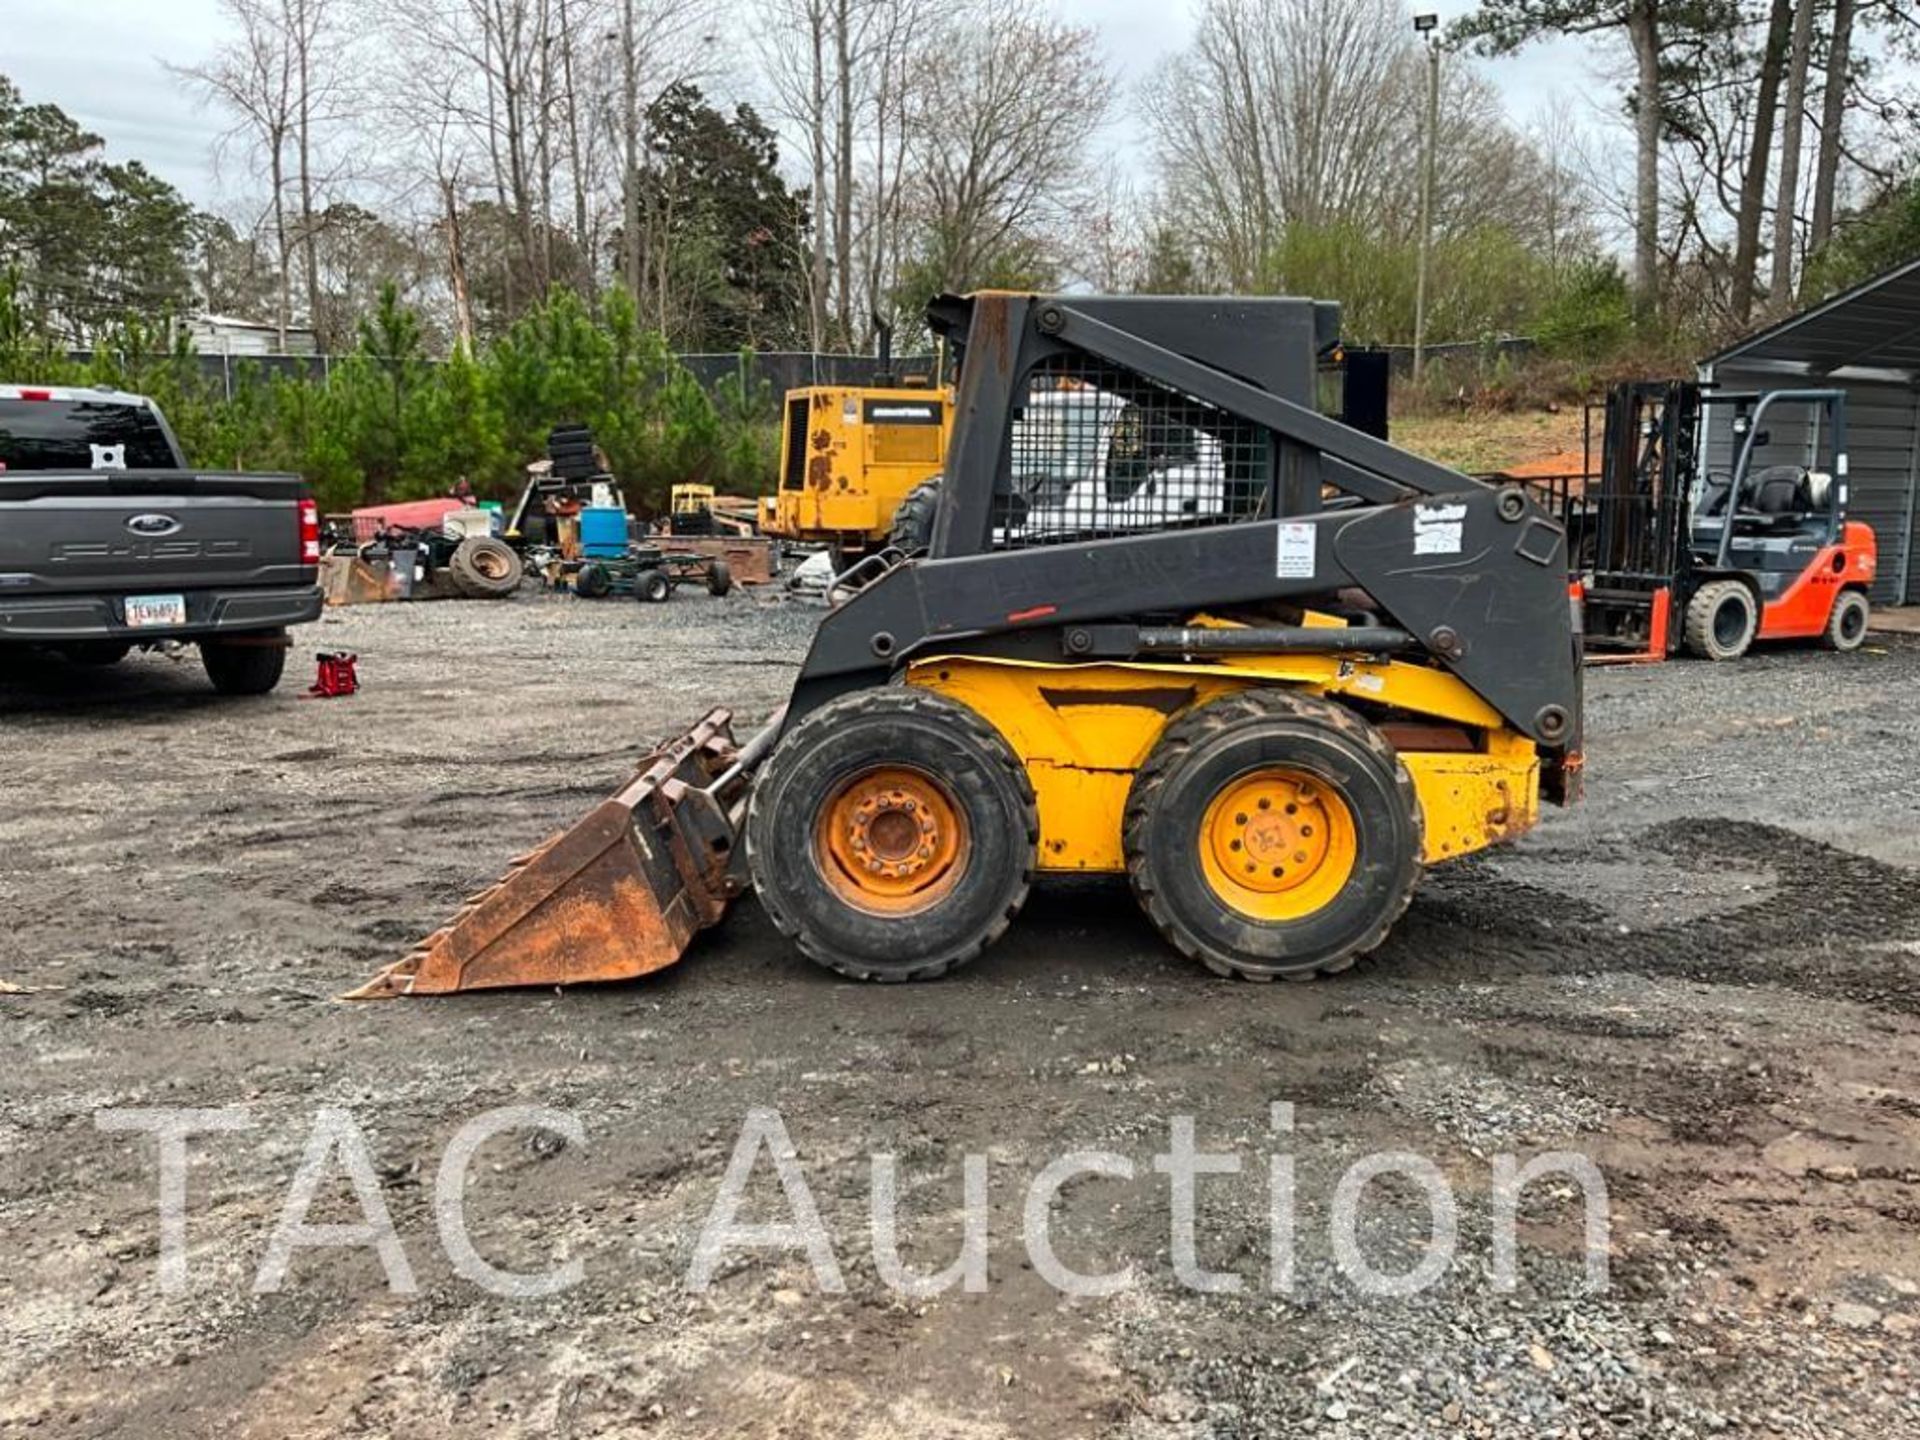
(129, 532)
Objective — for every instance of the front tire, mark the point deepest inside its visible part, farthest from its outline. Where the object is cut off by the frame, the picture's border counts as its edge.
(892, 835)
(1847, 622)
(237, 669)
(1722, 620)
(652, 586)
(1273, 835)
(719, 578)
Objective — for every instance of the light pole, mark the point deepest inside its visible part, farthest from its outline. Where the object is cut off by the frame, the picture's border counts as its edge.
(1428, 26)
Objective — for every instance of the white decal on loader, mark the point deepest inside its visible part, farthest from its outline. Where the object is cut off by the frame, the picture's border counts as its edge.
(1296, 555)
(1437, 529)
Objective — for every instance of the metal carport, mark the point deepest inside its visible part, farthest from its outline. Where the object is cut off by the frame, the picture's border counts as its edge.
(1865, 341)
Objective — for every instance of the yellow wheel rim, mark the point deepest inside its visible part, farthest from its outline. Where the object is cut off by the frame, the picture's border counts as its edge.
(1278, 844)
(891, 841)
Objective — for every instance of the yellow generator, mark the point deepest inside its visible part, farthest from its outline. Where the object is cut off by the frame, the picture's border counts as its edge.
(850, 458)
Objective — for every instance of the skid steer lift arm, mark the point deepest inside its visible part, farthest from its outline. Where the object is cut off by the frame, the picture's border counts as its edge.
(1473, 575)
(1174, 624)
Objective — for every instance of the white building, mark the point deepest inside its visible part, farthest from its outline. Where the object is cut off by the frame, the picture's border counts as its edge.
(228, 335)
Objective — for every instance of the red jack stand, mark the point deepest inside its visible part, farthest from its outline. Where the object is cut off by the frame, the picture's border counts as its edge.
(337, 675)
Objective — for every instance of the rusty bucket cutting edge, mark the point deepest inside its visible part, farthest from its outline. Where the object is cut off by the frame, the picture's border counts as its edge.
(619, 895)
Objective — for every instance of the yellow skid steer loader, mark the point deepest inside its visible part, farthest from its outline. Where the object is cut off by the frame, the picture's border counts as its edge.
(1264, 665)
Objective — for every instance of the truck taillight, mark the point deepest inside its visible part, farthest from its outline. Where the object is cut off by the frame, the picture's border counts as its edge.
(36, 394)
(309, 533)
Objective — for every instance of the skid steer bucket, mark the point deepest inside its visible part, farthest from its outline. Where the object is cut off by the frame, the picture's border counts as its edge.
(619, 895)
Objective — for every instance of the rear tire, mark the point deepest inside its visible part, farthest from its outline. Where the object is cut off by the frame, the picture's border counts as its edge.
(652, 586)
(912, 530)
(1722, 620)
(1847, 623)
(1273, 835)
(719, 578)
(483, 568)
(909, 783)
(243, 669)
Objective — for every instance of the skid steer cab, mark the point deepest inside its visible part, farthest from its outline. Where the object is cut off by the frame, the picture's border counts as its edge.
(1320, 665)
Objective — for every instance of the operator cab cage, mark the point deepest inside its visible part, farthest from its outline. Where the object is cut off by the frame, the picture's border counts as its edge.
(1119, 463)
(1094, 448)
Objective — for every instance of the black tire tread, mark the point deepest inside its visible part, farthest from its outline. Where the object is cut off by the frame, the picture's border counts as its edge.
(1698, 626)
(243, 669)
(1831, 637)
(1179, 740)
(907, 699)
(912, 527)
(470, 582)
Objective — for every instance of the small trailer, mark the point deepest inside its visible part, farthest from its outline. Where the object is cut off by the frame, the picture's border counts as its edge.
(652, 574)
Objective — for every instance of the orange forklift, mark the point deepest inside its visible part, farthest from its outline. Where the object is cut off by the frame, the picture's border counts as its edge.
(1671, 552)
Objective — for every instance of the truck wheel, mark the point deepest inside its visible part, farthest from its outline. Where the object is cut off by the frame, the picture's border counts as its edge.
(243, 669)
(652, 586)
(1273, 835)
(594, 582)
(912, 529)
(1847, 624)
(719, 578)
(1721, 620)
(892, 835)
(91, 653)
(483, 568)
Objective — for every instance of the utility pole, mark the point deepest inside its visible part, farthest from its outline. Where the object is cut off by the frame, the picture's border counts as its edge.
(1428, 26)
(631, 198)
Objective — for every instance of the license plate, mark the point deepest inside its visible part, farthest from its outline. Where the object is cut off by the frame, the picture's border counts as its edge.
(144, 611)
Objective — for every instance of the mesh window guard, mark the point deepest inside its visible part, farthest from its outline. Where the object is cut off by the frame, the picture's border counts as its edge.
(1097, 451)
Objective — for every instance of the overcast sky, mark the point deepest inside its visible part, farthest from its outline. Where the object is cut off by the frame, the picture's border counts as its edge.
(104, 63)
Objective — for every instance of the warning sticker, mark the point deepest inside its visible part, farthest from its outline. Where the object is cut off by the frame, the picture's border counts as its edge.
(1295, 560)
(1437, 529)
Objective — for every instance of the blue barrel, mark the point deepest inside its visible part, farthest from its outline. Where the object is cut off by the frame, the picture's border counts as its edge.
(603, 532)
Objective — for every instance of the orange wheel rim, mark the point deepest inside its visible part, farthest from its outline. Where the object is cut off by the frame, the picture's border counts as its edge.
(1278, 844)
(891, 840)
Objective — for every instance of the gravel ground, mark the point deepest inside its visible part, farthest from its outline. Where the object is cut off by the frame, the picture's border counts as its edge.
(1707, 979)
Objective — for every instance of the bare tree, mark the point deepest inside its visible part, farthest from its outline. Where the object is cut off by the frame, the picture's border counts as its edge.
(1004, 108)
(315, 44)
(1833, 117)
(840, 74)
(1286, 112)
(1759, 160)
(252, 77)
(283, 79)
(1792, 134)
